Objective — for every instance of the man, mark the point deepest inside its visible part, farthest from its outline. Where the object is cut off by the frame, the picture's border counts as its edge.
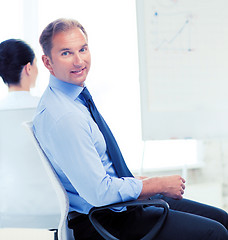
(79, 149)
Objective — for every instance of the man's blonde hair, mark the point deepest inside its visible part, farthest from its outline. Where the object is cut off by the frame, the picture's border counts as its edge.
(59, 25)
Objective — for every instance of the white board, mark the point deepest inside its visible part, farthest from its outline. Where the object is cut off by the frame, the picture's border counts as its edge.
(183, 67)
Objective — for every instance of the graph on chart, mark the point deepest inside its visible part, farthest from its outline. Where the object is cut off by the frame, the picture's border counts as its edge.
(171, 30)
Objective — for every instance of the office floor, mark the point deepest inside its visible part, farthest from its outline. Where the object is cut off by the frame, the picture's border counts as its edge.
(26, 234)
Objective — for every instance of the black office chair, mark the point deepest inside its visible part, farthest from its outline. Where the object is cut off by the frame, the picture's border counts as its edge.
(150, 235)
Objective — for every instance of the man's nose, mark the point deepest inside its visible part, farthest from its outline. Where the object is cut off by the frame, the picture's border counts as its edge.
(77, 60)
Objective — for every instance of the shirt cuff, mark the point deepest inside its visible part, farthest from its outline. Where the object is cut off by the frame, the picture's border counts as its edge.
(130, 189)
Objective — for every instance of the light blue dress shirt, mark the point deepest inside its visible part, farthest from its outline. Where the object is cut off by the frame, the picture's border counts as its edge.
(77, 150)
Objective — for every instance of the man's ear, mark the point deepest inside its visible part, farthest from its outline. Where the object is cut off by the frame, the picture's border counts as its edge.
(47, 63)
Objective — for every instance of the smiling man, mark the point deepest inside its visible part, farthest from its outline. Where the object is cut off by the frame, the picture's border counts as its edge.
(69, 60)
(86, 157)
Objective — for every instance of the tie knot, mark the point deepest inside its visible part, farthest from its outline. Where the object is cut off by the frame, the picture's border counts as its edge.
(85, 93)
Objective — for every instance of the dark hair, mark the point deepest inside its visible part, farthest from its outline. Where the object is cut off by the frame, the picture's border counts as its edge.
(59, 25)
(14, 55)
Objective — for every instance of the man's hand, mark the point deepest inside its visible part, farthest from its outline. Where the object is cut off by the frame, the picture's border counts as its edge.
(173, 186)
(140, 177)
(169, 186)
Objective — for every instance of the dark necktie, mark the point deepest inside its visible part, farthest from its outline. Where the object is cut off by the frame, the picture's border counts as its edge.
(112, 146)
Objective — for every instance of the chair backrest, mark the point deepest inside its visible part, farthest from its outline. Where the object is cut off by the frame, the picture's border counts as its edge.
(27, 198)
(64, 233)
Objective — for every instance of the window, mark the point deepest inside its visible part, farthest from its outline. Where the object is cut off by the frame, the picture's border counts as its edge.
(113, 78)
(171, 154)
(11, 19)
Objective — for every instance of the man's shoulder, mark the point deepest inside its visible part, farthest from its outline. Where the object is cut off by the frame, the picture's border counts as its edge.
(56, 105)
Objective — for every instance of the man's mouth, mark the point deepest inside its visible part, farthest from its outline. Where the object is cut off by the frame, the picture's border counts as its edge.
(78, 72)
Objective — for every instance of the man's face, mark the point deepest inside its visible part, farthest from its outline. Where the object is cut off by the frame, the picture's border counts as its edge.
(70, 57)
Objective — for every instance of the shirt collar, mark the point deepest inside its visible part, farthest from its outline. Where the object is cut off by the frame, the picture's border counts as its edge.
(71, 90)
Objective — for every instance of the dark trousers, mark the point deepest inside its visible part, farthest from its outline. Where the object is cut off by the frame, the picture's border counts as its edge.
(187, 220)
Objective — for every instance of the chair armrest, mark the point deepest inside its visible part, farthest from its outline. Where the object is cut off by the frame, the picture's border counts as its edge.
(150, 235)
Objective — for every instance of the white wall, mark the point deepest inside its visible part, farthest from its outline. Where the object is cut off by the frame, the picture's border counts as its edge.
(113, 80)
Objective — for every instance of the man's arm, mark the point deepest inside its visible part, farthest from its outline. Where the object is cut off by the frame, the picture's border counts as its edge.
(170, 186)
(78, 151)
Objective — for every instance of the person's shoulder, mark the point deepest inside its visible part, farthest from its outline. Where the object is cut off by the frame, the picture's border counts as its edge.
(31, 101)
(18, 100)
(4, 104)
(57, 105)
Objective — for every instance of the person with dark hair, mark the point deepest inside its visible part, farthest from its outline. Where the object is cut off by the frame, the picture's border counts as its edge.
(18, 70)
(86, 157)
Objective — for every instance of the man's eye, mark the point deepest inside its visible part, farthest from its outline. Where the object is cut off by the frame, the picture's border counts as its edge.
(82, 50)
(65, 53)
